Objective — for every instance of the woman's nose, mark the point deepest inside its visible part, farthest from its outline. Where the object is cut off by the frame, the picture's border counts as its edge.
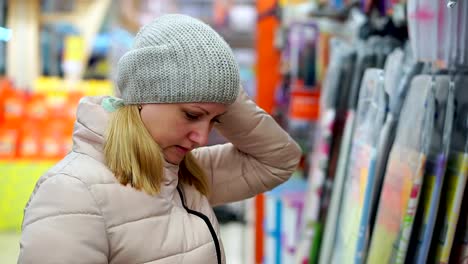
(200, 135)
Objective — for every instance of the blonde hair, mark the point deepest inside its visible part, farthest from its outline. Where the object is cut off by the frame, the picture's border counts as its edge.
(136, 159)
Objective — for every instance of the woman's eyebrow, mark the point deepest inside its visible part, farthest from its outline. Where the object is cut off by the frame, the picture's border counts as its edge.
(207, 112)
(221, 114)
(204, 110)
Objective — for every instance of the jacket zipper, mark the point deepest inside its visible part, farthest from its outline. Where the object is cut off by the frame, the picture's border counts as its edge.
(208, 223)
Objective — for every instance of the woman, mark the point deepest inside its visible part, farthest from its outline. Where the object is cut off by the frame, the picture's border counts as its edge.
(138, 186)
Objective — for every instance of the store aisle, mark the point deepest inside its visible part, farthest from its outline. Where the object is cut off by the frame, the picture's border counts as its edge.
(237, 246)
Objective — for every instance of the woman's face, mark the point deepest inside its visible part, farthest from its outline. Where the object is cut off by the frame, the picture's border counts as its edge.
(179, 128)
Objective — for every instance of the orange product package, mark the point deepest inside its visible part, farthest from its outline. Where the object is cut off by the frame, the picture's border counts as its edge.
(56, 105)
(36, 107)
(6, 87)
(56, 138)
(9, 135)
(5, 83)
(29, 141)
(305, 104)
(13, 106)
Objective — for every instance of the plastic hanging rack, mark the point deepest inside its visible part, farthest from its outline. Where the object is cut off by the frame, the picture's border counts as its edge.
(451, 3)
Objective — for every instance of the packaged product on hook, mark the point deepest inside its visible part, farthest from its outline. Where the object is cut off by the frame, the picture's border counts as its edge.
(375, 116)
(404, 175)
(455, 178)
(370, 116)
(304, 96)
(393, 73)
(365, 58)
(328, 243)
(302, 116)
(399, 71)
(302, 41)
(433, 175)
(338, 99)
(433, 166)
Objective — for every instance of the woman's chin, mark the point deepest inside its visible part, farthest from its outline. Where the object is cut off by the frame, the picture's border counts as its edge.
(174, 156)
(174, 160)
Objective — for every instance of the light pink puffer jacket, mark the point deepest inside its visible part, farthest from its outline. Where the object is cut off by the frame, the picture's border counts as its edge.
(79, 213)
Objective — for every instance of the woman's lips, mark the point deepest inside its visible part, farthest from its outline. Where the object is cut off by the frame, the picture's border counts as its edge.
(182, 149)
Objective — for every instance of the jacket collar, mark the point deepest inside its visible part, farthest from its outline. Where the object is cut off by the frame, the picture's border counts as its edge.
(88, 137)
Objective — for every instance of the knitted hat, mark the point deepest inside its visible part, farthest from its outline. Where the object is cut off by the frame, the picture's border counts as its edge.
(178, 59)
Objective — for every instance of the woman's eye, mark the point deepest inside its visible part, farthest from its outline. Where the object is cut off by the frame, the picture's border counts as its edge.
(215, 120)
(190, 116)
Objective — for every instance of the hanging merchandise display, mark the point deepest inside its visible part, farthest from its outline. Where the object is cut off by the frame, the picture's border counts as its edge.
(388, 156)
(369, 119)
(456, 175)
(392, 73)
(366, 57)
(404, 175)
(324, 160)
(434, 172)
(399, 70)
(327, 141)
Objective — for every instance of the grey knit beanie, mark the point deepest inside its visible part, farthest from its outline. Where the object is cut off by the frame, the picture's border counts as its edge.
(178, 59)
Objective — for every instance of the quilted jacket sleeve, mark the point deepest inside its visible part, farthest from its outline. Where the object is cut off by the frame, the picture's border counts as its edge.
(62, 224)
(260, 155)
